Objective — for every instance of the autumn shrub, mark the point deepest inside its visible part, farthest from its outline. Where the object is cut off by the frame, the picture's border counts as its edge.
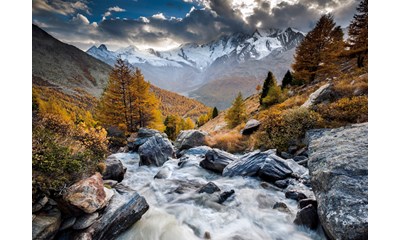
(101, 167)
(280, 129)
(232, 141)
(344, 111)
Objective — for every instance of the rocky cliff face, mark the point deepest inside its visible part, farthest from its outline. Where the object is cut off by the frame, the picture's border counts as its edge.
(338, 164)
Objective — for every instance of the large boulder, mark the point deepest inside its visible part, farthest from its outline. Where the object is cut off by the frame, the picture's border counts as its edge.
(216, 160)
(125, 208)
(114, 169)
(45, 225)
(139, 138)
(338, 164)
(320, 95)
(274, 168)
(190, 138)
(248, 164)
(251, 126)
(87, 195)
(155, 151)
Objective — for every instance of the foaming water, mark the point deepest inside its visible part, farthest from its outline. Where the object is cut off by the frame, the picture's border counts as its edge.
(187, 215)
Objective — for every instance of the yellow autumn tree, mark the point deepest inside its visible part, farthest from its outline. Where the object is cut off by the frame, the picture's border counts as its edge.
(127, 101)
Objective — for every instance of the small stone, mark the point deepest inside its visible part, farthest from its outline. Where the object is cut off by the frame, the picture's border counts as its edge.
(307, 216)
(67, 223)
(295, 195)
(282, 183)
(207, 235)
(281, 207)
(209, 188)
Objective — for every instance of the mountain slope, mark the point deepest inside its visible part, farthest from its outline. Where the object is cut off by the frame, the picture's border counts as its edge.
(224, 66)
(59, 68)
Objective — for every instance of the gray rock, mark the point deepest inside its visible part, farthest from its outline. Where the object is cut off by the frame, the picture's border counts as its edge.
(225, 195)
(248, 164)
(295, 195)
(190, 138)
(85, 221)
(209, 188)
(320, 95)
(305, 202)
(165, 172)
(339, 176)
(297, 169)
(155, 151)
(286, 155)
(307, 216)
(39, 204)
(281, 206)
(251, 126)
(299, 158)
(282, 183)
(124, 209)
(115, 170)
(275, 168)
(216, 160)
(197, 151)
(67, 223)
(138, 139)
(46, 224)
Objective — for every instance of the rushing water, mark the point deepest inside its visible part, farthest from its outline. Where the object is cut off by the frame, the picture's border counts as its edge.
(247, 215)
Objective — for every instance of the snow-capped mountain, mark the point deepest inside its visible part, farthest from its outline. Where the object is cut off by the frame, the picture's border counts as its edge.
(189, 67)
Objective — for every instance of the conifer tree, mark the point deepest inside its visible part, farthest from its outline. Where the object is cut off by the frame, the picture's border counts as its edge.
(317, 55)
(287, 79)
(358, 33)
(237, 113)
(214, 112)
(267, 83)
(274, 94)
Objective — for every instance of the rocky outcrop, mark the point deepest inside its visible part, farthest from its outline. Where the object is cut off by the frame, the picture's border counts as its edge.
(155, 151)
(114, 169)
(251, 126)
(139, 138)
(338, 164)
(216, 160)
(190, 138)
(45, 224)
(248, 165)
(87, 195)
(275, 168)
(322, 94)
(125, 208)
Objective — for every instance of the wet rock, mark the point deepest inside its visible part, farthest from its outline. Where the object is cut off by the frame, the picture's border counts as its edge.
(307, 216)
(110, 183)
(186, 186)
(207, 235)
(322, 94)
(216, 160)
(338, 167)
(282, 183)
(298, 170)
(85, 221)
(165, 172)
(124, 209)
(190, 138)
(266, 185)
(295, 195)
(225, 195)
(39, 204)
(251, 126)
(139, 138)
(305, 202)
(286, 155)
(155, 151)
(67, 223)
(281, 206)
(302, 152)
(209, 188)
(46, 224)
(114, 169)
(88, 194)
(247, 165)
(299, 158)
(196, 151)
(275, 168)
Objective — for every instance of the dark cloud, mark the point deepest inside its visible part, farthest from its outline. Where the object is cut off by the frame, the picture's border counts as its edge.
(216, 17)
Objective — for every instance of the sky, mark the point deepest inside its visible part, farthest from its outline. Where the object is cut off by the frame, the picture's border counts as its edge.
(166, 24)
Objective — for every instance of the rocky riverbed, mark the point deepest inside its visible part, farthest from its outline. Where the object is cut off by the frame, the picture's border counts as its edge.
(185, 190)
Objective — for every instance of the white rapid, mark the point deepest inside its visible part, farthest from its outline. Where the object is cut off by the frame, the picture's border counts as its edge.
(247, 215)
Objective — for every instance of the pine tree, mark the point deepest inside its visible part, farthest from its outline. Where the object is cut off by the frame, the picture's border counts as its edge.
(267, 83)
(214, 112)
(172, 126)
(287, 79)
(237, 113)
(358, 34)
(127, 101)
(317, 55)
(274, 95)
